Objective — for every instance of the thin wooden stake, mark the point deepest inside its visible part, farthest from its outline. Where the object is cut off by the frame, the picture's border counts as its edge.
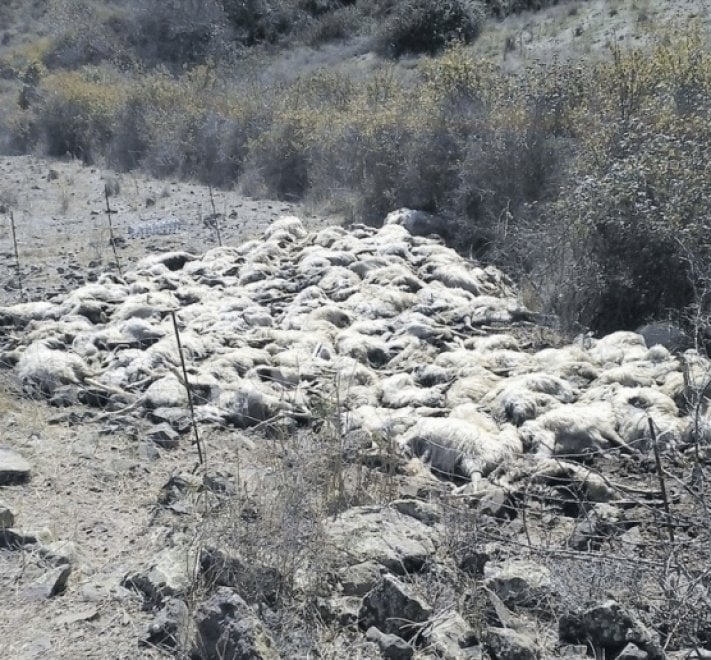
(187, 387)
(662, 483)
(17, 257)
(214, 217)
(111, 230)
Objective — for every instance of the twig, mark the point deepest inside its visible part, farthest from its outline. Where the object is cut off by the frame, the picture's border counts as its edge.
(662, 483)
(111, 230)
(187, 387)
(17, 257)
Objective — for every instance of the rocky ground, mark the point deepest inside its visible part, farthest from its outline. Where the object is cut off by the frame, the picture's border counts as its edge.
(395, 458)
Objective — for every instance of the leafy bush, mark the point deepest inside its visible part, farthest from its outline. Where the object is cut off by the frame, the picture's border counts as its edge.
(77, 112)
(635, 212)
(427, 26)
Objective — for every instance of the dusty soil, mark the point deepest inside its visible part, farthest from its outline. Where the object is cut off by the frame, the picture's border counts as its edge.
(62, 229)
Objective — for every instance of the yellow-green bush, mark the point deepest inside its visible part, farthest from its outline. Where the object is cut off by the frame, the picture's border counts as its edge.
(636, 206)
(77, 111)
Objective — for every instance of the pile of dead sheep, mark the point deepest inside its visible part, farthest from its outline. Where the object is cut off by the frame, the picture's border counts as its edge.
(397, 330)
(404, 343)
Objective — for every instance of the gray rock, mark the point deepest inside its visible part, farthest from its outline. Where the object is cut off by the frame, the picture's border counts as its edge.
(255, 582)
(178, 418)
(499, 616)
(228, 628)
(425, 512)
(170, 627)
(383, 535)
(391, 646)
(7, 516)
(519, 583)
(506, 644)
(164, 436)
(106, 589)
(450, 634)
(393, 607)
(59, 553)
(600, 523)
(359, 579)
(148, 451)
(494, 502)
(53, 582)
(608, 627)
(14, 538)
(341, 610)
(14, 469)
(170, 574)
(632, 652)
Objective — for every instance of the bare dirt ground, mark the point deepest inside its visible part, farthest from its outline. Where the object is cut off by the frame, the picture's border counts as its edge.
(63, 233)
(96, 490)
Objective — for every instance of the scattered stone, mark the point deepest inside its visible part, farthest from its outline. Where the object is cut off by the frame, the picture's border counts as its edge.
(52, 583)
(391, 646)
(7, 516)
(632, 652)
(359, 579)
(14, 469)
(170, 627)
(499, 616)
(228, 628)
(450, 634)
(88, 613)
(13, 538)
(494, 502)
(221, 484)
(507, 644)
(178, 487)
(255, 582)
(164, 436)
(519, 583)
(473, 560)
(105, 590)
(393, 607)
(148, 451)
(168, 575)
(383, 535)
(59, 553)
(425, 512)
(608, 627)
(178, 418)
(601, 522)
(64, 396)
(339, 610)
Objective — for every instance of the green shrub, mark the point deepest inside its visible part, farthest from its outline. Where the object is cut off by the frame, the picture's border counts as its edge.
(76, 112)
(427, 26)
(630, 228)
